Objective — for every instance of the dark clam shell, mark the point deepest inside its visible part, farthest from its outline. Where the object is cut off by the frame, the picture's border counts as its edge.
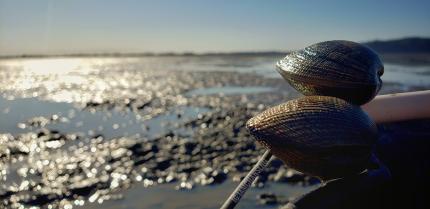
(317, 135)
(342, 69)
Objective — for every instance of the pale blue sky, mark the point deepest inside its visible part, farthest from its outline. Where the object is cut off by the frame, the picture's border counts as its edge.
(86, 26)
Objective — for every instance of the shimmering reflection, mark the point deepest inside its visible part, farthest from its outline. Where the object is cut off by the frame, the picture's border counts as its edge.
(77, 132)
(53, 77)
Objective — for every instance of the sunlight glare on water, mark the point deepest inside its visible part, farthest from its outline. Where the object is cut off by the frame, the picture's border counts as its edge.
(55, 75)
(48, 66)
(135, 123)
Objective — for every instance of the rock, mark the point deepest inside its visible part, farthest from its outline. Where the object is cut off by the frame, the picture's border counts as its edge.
(185, 186)
(280, 176)
(40, 199)
(290, 176)
(187, 147)
(267, 199)
(144, 159)
(210, 176)
(7, 194)
(119, 153)
(188, 168)
(218, 176)
(163, 164)
(239, 177)
(38, 121)
(4, 152)
(83, 188)
(296, 178)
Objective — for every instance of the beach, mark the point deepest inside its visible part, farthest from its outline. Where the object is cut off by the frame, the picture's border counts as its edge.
(146, 132)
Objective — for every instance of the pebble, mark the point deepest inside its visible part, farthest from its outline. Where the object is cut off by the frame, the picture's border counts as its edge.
(185, 186)
(267, 199)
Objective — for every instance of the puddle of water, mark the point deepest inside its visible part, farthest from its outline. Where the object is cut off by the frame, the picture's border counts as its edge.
(230, 90)
(16, 111)
(109, 123)
(208, 197)
(407, 75)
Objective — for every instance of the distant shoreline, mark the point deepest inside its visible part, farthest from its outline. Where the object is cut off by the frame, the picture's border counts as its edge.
(410, 46)
(397, 58)
(169, 54)
(408, 51)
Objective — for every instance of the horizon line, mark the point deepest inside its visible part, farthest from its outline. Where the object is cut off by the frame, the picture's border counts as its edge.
(184, 53)
(145, 54)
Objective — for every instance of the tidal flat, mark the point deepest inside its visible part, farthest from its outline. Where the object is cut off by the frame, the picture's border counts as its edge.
(146, 132)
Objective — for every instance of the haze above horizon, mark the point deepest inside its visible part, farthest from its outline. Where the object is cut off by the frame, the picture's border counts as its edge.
(101, 26)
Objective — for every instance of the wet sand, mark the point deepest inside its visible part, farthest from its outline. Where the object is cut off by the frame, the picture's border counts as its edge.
(151, 132)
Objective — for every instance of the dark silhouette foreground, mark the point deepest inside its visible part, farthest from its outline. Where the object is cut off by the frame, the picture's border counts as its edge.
(404, 149)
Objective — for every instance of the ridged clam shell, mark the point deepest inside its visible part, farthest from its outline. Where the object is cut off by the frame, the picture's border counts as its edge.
(317, 135)
(342, 69)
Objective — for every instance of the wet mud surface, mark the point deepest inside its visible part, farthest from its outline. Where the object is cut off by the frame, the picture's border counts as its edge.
(84, 132)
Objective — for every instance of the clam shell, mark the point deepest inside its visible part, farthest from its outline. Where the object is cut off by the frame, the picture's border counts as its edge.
(342, 69)
(321, 136)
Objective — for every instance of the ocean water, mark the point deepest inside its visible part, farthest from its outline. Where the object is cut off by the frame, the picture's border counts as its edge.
(138, 99)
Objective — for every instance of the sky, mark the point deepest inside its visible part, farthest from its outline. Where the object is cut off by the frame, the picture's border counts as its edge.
(104, 26)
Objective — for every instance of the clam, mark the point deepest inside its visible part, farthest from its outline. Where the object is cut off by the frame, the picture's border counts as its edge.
(321, 136)
(324, 134)
(343, 69)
